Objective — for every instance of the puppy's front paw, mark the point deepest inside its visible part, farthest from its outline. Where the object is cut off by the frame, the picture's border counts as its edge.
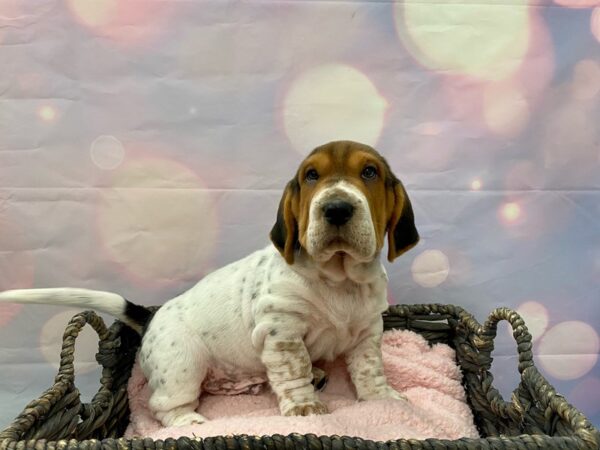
(387, 393)
(392, 393)
(183, 419)
(306, 409)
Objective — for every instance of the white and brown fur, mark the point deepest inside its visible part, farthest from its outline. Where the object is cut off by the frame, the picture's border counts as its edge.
(316, 294)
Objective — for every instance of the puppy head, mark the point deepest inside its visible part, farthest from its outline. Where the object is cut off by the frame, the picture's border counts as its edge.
(344, 199)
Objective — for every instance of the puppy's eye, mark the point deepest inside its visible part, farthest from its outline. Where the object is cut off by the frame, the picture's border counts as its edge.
(311, 175)
(369, 172)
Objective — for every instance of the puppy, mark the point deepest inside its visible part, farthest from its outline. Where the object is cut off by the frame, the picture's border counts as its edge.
(316, 294)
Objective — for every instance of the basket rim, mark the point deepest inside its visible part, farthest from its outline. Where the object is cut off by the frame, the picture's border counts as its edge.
(143, 442)
(585, 435)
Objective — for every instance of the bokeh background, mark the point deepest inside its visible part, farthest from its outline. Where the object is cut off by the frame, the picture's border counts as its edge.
(145, 143)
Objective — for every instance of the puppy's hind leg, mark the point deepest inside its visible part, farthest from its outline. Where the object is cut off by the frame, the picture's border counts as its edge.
(175, 368)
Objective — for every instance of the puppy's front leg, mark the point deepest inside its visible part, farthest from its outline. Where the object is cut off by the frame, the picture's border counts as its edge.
(365, 365)
(289, 370)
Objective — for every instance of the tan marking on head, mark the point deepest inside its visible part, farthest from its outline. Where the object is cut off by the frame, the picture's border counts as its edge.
(345, 160)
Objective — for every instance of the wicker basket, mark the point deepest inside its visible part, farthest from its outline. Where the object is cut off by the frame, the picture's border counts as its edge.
(535, 418)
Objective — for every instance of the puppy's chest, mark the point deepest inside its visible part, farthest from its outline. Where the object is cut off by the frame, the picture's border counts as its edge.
(343, 318)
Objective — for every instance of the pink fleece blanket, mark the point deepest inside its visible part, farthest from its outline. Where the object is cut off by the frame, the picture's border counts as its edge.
(428, 376)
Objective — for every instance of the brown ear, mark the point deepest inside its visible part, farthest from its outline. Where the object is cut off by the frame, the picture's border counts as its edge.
(402, 232)
(284, 233)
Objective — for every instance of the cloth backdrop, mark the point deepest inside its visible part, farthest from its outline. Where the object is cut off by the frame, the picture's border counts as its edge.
(145, 143)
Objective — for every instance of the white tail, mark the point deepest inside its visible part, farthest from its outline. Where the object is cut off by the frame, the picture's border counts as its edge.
(106, 302)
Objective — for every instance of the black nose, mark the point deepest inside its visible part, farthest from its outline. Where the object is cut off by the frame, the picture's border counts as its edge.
(338, 212)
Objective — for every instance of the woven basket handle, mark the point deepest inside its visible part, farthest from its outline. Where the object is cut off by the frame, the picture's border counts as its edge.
(95, 413)
(483, 338)
(59, 412)
(66, 370)
(519, 331)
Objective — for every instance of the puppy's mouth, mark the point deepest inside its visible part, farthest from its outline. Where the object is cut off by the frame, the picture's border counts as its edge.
(336, 246)
(336, 241)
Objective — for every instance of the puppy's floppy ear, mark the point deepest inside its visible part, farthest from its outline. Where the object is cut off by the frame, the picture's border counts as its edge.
(402, 232)
(284, 233)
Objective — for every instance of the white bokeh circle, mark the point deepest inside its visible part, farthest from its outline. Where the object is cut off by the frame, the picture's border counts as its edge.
(569, 350)
(482, 40)
(158, 220)
(123, 21)
(107, 152)
(94, 13)
(332, 102)
(510, 213)
(47, 113)
(430, 268)
(536, 318)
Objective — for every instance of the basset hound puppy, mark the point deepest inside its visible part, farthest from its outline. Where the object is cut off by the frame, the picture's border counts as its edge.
(314, 295)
